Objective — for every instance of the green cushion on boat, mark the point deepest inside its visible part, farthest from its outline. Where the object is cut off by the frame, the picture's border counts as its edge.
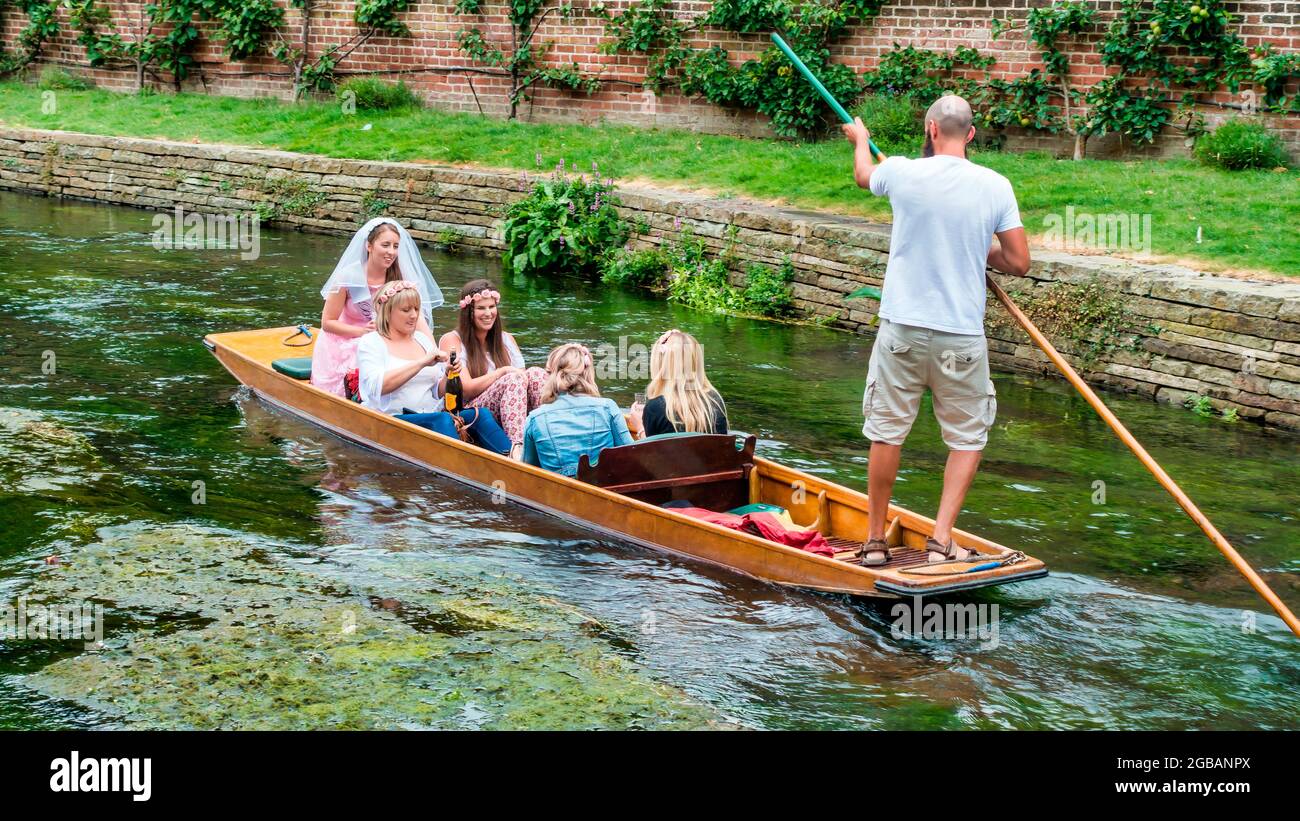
(299, 367)
(757, 507)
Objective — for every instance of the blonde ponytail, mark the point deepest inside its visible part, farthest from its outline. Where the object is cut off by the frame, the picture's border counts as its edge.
(569, 369)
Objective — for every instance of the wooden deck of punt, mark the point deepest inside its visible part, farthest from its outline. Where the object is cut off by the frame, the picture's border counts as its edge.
(838, 512)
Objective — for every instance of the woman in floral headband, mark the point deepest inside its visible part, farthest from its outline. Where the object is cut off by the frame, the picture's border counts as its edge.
(403, 374)
(573, 418)
(494, 375)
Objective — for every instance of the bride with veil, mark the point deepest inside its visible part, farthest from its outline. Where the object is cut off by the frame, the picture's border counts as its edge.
(381, 251)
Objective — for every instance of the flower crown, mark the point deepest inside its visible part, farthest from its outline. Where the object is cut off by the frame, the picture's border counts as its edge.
(486, 293)
(392, 289)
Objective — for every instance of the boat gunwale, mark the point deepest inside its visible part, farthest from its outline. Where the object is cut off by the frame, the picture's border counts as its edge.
(572, 484)
(864, 579)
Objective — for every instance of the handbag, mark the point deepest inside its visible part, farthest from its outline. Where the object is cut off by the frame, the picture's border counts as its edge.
(462, 427)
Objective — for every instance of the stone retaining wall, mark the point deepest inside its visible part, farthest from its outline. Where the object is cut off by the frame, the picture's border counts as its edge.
(1236, 342)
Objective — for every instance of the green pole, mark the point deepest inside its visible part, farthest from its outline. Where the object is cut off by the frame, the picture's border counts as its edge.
(821, 89)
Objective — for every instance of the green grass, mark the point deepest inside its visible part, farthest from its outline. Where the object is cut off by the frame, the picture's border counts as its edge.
(1246, 217)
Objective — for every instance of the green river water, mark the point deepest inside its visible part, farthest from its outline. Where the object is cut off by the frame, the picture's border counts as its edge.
(322, 585)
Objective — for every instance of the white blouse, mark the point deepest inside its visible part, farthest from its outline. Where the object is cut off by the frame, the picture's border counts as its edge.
(420, 393)
(516, 355)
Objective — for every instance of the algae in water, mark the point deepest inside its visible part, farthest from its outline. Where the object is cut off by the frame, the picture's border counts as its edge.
(271, 644)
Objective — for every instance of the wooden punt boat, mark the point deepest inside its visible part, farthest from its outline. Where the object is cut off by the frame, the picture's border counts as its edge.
(839, 513)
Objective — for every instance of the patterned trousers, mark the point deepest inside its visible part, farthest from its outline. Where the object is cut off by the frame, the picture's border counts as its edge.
(510, 398)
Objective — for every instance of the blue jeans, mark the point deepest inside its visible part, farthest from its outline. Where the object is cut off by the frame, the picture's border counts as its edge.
(485, 432)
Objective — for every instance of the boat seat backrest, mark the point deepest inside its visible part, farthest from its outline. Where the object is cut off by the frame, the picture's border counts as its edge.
(706, 469)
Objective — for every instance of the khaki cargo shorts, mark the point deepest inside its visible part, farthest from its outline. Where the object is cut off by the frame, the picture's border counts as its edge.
(955, 367)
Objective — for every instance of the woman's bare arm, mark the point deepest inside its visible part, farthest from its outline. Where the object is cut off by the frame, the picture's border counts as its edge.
(329, 317)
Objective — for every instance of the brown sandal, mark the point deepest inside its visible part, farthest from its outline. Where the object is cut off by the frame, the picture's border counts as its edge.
(874, 546)
(949, 551)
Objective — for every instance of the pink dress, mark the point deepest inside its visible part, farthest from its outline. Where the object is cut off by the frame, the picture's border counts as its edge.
(335, 355)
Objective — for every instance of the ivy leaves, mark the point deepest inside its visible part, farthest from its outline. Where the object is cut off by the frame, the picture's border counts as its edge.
(1138, 115)
(247, 25)
(1047, 24)
(767, 84)
(381, 15)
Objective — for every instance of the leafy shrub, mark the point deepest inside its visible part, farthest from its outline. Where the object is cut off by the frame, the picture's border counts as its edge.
(53, 77)
(1239, 144)
(371, 94)
(642, 268)
(767, 293)
(698, 280)
(687, 273)
(565, 225)
(894, 122)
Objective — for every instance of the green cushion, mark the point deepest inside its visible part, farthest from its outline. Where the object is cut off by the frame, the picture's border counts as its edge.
(757, 507)
(299, 367)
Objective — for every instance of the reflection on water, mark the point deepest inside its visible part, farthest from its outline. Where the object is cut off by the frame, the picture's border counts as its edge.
(1140, 625)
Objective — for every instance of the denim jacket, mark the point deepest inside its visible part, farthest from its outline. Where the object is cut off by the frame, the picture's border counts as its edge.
(558, 433)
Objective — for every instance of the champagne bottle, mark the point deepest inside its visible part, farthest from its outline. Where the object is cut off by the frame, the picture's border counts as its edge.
(455, 395)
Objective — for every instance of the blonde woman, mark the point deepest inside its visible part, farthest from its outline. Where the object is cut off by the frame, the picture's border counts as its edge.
(402, 373)
(573, 418)
(681, 398)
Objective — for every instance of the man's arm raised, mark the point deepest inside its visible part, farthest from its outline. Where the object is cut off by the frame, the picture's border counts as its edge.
(862, 162)
(1011, 253)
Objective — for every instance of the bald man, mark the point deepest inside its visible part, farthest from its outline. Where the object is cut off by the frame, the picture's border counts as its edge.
(946, 212)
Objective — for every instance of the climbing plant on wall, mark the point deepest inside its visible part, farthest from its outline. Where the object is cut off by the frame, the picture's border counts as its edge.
(1157, 49)
(768, 83)
(42, 25)
(521, 60)
(169, 31)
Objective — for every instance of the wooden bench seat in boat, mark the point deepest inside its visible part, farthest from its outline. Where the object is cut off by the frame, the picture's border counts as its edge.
(706, 469)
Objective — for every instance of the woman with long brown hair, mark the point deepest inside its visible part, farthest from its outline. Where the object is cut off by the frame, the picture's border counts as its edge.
(494, 375)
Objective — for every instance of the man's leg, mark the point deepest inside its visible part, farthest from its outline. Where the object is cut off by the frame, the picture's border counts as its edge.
(957, 478)
(895, 382)
(882, 470)
(965, 404)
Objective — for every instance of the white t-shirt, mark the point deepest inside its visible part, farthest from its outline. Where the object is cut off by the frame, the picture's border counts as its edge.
(420, 393)
(946, 211)
(516, 355)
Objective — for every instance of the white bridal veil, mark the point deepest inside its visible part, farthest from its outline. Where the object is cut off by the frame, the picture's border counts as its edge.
(350, 273)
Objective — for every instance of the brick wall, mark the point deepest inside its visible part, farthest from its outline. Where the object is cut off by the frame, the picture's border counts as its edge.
(431, 61)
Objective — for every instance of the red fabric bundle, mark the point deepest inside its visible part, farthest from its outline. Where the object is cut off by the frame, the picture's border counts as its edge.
(352, 384)
(765, 525)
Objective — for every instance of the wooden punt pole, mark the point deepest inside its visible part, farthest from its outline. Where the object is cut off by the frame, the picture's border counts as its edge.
(1224, 546)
